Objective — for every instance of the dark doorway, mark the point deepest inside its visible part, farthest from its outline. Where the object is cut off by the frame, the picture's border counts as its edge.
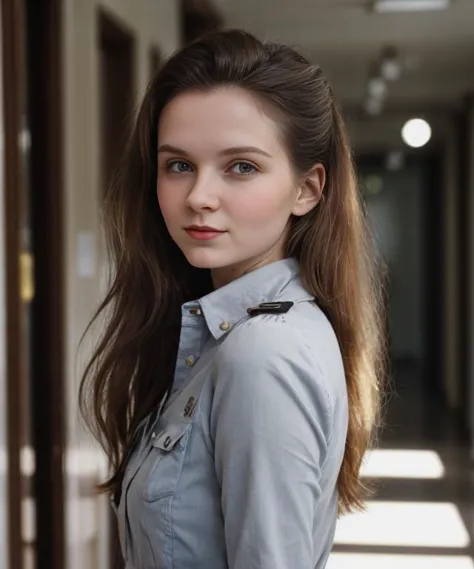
(117, 93)
(466, 151)
(199, 17)
(405, 212)
(155, 60)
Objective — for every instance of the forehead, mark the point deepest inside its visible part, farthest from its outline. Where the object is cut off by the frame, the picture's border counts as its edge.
(224, 117)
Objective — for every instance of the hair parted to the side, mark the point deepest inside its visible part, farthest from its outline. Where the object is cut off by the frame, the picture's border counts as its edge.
(133, 364)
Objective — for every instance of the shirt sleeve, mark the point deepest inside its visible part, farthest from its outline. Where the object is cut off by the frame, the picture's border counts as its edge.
(270, 423)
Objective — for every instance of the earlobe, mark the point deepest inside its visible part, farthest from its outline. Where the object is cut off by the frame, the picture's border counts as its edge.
(310, 191)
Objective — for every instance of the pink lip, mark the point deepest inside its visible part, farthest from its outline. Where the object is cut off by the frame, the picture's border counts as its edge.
(203, 233)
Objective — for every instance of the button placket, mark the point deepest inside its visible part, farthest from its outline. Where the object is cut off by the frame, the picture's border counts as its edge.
(188, 352)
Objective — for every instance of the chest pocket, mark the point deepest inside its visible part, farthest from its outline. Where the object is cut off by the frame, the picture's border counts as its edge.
(166, 460)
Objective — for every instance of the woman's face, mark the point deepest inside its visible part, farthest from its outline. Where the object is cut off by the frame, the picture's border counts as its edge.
(226, 187)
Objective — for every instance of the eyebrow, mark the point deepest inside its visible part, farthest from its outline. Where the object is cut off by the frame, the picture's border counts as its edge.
(226, 152)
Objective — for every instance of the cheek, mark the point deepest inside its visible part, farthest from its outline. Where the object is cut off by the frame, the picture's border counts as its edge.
(167, 201)
(264, 206)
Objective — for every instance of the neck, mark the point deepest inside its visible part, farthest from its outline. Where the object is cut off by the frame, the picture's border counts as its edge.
(224, 275)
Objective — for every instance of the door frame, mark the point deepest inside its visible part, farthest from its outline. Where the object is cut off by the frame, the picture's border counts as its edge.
(12, 87)
(45, 88)
(31, 61)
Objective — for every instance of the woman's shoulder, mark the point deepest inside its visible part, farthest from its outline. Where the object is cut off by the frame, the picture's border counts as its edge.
(269, 364)
(303, 330)
(299, 345)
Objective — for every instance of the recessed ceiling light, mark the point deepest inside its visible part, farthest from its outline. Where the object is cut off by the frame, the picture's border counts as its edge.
(377, 88)
(373, 106)
(416, 133)
(410, 5)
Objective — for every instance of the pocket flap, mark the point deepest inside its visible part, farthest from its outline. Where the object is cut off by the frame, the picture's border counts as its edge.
(169, 437)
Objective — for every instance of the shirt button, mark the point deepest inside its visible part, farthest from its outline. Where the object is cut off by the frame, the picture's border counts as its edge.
(224, 326)
(190, 361)
(153, 435)
(195, 311)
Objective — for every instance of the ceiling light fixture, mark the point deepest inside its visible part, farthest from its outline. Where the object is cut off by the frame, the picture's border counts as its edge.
(386, 6)
(377, 88)
(416, 133)
(373, 107)
(390, 70)
(390, 66)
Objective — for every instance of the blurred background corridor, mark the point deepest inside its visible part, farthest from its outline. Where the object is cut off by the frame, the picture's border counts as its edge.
(72, 73)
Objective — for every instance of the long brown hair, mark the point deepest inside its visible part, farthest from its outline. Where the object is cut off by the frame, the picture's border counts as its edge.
(133, 364)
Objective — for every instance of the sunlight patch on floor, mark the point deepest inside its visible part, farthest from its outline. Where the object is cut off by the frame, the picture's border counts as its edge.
(417, 464)
(381, 561)
(405, 524)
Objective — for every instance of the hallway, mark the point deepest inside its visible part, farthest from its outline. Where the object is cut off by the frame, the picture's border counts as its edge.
(420, 516)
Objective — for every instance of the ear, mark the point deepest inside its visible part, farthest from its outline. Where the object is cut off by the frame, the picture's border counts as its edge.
(310, 191)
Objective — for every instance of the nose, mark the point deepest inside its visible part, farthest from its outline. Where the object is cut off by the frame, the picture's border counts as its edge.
(203, 194)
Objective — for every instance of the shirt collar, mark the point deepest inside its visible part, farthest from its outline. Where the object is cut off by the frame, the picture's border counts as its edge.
(278, 281)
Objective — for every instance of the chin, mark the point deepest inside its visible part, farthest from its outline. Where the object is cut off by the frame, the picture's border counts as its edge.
(202, 259)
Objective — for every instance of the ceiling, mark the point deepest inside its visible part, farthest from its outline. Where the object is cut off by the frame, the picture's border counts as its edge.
(345, 37)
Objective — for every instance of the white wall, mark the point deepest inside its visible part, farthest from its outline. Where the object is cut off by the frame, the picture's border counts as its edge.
(153, 22)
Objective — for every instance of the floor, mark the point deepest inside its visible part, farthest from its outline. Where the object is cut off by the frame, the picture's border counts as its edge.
(421, 514)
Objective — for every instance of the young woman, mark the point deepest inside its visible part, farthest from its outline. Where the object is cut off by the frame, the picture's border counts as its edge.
(235, 387)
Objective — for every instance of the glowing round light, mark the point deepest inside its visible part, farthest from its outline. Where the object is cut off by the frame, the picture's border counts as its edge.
(373, 107)
(416, 133)
(390, 70)
(377, 87)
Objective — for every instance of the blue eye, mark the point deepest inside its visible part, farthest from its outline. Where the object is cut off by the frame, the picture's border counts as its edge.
(178, 167)
(243, 168)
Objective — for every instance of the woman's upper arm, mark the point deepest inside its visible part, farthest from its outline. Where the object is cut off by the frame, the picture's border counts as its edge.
(270, 423)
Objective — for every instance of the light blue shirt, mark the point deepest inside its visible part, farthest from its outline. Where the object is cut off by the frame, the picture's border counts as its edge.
(239, 469)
